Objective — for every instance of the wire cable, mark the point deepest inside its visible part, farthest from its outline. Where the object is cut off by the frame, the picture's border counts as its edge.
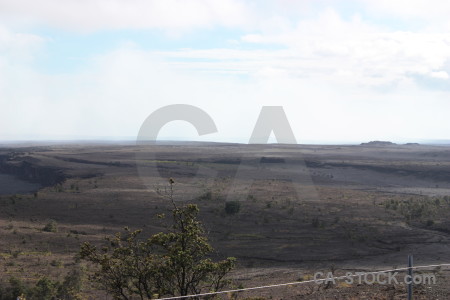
(300, 282)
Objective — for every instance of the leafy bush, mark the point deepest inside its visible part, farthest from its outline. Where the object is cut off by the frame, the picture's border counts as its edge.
(56, 263)
(51, 226)
(232, 207)
(45, 288)
(206, 196)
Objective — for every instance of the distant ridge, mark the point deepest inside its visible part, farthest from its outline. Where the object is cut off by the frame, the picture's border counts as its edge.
(379, 143)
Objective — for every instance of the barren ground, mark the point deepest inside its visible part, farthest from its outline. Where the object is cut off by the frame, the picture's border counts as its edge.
(303, 208)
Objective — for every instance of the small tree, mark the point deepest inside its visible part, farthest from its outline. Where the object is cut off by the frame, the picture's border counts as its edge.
(127, 266)
(45, 289)
(17, 288)
(187, 270)
(168, 263)
(70, 287)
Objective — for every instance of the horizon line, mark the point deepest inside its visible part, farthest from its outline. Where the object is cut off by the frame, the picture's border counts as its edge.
(178, 141)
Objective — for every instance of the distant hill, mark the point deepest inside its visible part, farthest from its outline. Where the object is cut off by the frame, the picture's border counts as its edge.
(378, 143)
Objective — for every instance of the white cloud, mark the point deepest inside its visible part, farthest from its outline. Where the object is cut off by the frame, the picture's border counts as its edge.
(18, 45)
(91, 15)
(423, 9)
(177, 16)
(328, 49)
(330, 74)
(118, 90)
(17, 51)
(439, 75)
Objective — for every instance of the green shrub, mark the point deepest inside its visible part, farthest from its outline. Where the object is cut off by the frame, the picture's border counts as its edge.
(16, 288)
(45, 289)
(206, 196)
(251, 198)
(72, 285)
(15, 254)
(51, 226)
(56, 263)
(232, 207)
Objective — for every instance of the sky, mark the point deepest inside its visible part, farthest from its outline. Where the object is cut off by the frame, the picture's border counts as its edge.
(343, 71)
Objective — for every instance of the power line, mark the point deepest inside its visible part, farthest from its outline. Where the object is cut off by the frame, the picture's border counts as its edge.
(300, 282)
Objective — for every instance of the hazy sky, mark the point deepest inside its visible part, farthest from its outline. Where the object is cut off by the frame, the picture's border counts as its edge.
(342, 70)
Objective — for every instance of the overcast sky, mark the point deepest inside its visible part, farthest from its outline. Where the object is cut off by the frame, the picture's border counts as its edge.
(344, 71)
